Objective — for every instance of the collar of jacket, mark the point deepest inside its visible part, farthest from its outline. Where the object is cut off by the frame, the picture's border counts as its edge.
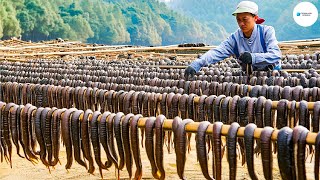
(253, 35)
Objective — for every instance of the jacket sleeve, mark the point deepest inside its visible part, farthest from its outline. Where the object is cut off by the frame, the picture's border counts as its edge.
(273, 53)
(224, 50)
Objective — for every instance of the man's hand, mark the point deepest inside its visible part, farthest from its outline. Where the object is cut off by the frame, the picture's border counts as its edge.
(189, 71)
(246, 58)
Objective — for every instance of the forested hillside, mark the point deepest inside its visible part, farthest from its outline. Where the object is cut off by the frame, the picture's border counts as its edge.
(276, 13)
(137, 22)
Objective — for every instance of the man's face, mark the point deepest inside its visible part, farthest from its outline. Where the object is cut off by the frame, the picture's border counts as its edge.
(246, 21)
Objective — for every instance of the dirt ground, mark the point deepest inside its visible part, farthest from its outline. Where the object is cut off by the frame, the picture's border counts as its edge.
(23, 169)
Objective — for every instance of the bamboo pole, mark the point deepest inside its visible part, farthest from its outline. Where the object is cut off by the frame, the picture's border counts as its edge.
(274, 103)
(76, 47)
(192, 127)
(167, 67)
(298, 70)
(13, 59)
(111, 50)
(183, 67)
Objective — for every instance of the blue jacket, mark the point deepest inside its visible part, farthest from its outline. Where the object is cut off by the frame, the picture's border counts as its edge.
(262, 45)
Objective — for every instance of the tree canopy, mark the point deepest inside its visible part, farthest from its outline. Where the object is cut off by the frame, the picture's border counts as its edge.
(136, 22)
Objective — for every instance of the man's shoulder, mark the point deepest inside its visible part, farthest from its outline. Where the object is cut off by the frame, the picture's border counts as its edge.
(237, 32)
(266, 27)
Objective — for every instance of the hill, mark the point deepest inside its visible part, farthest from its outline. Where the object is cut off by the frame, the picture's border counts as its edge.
(136, 22)
(277, 14)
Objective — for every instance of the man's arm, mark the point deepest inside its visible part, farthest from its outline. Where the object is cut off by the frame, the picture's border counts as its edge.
(273, 53)
(224, 50)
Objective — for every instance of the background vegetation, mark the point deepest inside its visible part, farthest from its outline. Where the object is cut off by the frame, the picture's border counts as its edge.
(139, 22)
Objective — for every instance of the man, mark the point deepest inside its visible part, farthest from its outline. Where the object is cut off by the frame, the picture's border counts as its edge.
(253, 44)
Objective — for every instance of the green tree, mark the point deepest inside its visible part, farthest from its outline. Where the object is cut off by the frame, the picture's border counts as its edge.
(138, 22)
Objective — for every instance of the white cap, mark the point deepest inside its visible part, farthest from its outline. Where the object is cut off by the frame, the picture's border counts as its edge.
(246, 6)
